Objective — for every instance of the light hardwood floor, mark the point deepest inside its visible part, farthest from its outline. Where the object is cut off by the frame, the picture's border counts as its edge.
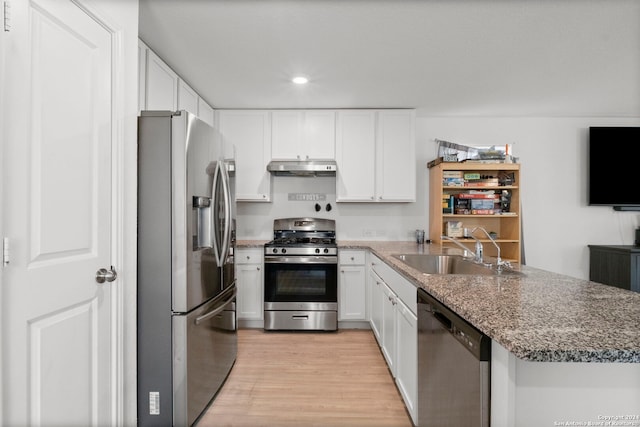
(307, 379)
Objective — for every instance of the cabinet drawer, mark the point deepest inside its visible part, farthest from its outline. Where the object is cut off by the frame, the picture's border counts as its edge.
(351, 257)
(249, 256)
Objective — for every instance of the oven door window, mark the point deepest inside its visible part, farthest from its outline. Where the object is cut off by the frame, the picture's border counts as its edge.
(301, 282)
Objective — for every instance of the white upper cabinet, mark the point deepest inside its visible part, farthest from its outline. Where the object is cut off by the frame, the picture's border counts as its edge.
(187, 98)
(205, 112)
(355, 156)
(396, 160)
(160, 88)
(303, 134)
(161, 85)
(142, 74)
(375, 153)
(250, 132)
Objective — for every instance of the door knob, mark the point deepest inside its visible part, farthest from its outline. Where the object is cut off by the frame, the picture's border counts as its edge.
(104, 275)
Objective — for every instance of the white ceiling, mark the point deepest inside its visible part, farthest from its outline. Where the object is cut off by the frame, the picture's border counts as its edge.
(444, 57)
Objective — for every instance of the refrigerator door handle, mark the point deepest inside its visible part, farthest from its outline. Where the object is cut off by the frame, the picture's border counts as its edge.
(226, 239)
(215, 244)
(218, 310)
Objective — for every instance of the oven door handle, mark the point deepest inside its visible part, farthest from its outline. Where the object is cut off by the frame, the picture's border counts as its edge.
(301, 260)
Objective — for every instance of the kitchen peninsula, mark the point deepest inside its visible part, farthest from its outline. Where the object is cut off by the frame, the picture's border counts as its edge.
(563, 349)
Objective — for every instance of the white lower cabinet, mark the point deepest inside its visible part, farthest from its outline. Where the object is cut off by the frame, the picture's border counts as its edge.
(250, 283)
(375, 309)
(389, 300)
(395, 324)
(352, 285)
(407, 356)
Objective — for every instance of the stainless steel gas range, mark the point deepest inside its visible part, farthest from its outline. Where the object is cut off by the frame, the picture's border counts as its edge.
(301, 275)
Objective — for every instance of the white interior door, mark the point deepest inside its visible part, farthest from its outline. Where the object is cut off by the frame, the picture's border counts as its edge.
(57, 321)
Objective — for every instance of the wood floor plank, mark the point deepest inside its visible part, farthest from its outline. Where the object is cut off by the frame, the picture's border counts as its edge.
(308, 379)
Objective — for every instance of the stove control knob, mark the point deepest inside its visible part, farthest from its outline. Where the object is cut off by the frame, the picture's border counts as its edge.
(283, 250)
(317, 250)
(326, 251)
(275, 251)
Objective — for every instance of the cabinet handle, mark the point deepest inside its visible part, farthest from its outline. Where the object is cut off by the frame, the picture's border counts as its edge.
(341, 271)
(248, 257)
(352, 258)
(258, 268)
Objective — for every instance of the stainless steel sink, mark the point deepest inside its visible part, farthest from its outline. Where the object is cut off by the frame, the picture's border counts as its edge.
(449, 264)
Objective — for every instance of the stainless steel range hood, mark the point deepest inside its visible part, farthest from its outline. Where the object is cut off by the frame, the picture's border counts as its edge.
(302, 167)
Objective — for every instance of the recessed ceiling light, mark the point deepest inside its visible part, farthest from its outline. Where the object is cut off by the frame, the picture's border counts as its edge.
(300, 80)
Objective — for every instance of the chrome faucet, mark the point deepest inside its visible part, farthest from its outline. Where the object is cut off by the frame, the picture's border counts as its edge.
(466, 249)
(499, 262)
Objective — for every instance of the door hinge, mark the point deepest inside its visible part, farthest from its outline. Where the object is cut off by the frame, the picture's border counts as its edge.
(5, 251)
(6, 7)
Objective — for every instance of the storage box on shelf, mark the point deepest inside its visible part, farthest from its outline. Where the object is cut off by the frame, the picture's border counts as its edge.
(468, 195)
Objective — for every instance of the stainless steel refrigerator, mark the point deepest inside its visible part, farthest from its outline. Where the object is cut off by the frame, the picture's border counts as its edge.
(187, 329)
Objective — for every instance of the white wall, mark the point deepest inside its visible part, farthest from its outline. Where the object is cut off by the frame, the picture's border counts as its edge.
(557, 223)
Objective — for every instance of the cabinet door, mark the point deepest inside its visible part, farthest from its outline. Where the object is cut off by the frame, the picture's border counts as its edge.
(396, 162)
(407, 356)
(187, 98)
(142, 74)
(352, 302)
(161, 85)
(355, 156)
(377, 295)
(286, 135)
(249, 280)
(319, 134)
(249, 132)
(389, 302)
(205, 112)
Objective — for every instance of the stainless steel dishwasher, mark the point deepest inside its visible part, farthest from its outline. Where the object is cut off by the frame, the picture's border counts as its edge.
(453, 368)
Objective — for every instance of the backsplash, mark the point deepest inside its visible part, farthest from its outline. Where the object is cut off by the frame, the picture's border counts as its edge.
(354, 221)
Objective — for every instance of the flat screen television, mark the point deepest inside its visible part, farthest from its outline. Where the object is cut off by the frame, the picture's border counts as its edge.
(614, 167)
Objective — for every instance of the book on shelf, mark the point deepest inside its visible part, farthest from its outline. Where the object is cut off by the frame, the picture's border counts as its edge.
(453, 182)
(489, 182)
(485, 211)
(471, 175)
(482, 203)
(479, 195)
(467, 211)
(452, 174)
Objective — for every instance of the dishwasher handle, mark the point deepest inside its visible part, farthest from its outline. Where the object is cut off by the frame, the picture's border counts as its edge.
(444, 320)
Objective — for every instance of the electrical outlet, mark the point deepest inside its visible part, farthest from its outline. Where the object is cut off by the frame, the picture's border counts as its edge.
(368, 233)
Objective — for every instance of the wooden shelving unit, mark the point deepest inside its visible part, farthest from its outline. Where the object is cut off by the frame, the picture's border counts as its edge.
(507, 226)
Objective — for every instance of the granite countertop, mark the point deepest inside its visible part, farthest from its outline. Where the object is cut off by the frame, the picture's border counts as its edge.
(541, 316)
(247, 244)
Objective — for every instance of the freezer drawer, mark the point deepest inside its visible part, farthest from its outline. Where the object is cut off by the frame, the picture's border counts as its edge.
(204, 350)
